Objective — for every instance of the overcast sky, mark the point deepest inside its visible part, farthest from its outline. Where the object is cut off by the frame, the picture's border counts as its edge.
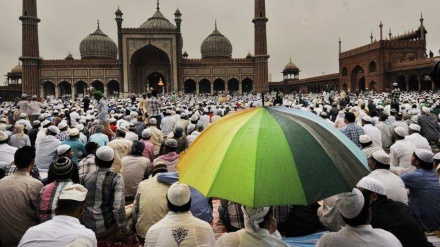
(305, 30)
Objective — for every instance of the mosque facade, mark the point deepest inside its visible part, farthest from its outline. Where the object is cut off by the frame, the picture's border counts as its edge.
(375, 66)
(149, 56)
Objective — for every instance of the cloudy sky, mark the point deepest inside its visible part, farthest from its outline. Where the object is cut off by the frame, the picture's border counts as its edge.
(305, 30)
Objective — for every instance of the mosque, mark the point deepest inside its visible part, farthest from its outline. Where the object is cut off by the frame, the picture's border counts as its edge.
(148, 56)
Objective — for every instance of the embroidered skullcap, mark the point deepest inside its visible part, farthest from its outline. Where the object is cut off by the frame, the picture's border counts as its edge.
(367, 118)
(372, 184)
(179, 194)
(350, 205)
(62, 125)
(36, 123)
(191, 128)
(105, 153)
(80, 127)
(400, 131)
(62, 166)
(437, 156)
(172, 143)
(73, 132)
(3, 136)
(364, 139)
(382, 157)
(153, 121)
(424, 155)
(53, 129)
(75, 192)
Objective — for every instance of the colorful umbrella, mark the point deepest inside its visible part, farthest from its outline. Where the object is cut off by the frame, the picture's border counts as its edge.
(272, 156)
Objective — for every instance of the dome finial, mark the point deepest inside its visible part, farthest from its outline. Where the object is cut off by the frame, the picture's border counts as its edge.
(158, 8)
(215, 24)
(98, 24)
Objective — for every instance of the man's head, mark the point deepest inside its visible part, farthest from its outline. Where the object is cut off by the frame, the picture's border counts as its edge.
(65, 150)
(3, 138)
(365, 141)
(24, 157)
(414, 128)
(98, 95)
(423, 158)
(379, 160)
(372, 188)
(73, 133)
(153, 122)
(62, 126)
(105, 157)
(91, 147)
(137, 148)
(354, 208)
(349, 117)
(395, 85)
(170, 145)
(146, 134)
(52, 130)
(71, 201)
(366, 120)
(99, 128)
(179, 198)
(399, 133)
(63, 168)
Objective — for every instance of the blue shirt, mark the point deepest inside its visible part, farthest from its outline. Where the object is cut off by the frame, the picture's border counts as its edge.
(424, 196)
(99, 138)
(77, 146)
(200, 205)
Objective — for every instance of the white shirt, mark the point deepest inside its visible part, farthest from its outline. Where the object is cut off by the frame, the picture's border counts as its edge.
(400, 156)
(59, 231)
(205, 120)
(374, 133)
(46, 151)
(181, 228)
(7, 153)
(363, 235)
(394, 186)
(131, 136)
(167, 125)
(73, 116)
(419, 141)
(191, 138)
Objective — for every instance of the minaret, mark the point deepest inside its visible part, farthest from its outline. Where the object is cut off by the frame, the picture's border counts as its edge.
(261, 80)
(371, 37)
(422, 28)
(30, 49)
(381, 33)
(178, 20)
(119, 21)
(390, 34)
(340, 47)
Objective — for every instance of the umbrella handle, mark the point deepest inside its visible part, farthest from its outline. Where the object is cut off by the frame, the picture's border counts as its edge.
(262, 98)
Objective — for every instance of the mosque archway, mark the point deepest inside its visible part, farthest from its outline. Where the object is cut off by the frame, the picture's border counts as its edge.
(401, 82)
(247, 85)
(153, 82)
(362, 86)
(219, 85)
(144, 63)
(98, 85)
(356, 76)
(190, 86)
(81, 87)
(205, 86)
(345, 87)
(372, 67)
(426, 83)
(65, 88)
(49, 88)
(372, 86)
(113, 87)
(413, 83)
(233, 85)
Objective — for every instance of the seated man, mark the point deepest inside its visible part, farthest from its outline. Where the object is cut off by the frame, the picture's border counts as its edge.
(105, 212)
(65, 226)
(424, 190)
(356, 213)
(392, 216)
(179, 227)
(260, 230)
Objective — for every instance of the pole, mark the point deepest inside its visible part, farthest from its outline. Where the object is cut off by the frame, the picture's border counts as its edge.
(262, 98)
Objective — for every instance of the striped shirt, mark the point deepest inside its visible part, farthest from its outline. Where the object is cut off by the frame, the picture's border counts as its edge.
(105, 201)
(87, 165)
(49, 198)
(353, 132)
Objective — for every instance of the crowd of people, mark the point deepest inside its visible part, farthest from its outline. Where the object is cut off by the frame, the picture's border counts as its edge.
(103, 169)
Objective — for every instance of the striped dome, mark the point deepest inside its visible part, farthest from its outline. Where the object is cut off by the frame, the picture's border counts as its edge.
(216, 45)
(98, 45)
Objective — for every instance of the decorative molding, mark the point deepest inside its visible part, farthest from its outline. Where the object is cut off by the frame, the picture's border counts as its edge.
(96, 72)
(112, 72)
(233, 70)
(247, 70)
(47, 73)
(64, 72)
(80, 72)
(204, 71)
(189, 71)
(218, 71)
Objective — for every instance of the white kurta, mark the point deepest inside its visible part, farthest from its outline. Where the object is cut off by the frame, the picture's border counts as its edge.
(363, 235)
(418, 140)
(180, 230)
(374, 133)
(394, 186)
(400, 157)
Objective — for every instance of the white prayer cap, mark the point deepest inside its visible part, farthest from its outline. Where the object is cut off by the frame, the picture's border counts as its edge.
(112, 120)
(45, 122)
(367, 118)
(437, 156)
(191, 128)
(364, 139)
(3, 120)
(122, 128)
(194, 118)
(133, 114)
(146, 133)
(73, 132)
(75, 192)
(80, 127)
(171, 143)
(23, 115)
(63, 149)
(179, 194)
(426, 110)
(105, 153)
(415, 127)
(36, 122)
(400, 131)
(62, 125)
(351, 204)
(53, 129)
(395, 84)
(3, 136)
(153, 121)
(382, 157)
(372, 184)
(424, 155)
(82, 121)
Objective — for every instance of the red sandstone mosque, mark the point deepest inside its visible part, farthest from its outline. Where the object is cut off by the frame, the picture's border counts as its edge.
(152, 56)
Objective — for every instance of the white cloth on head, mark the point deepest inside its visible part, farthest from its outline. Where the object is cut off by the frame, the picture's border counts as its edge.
(371, 184)
(350, 204)
(253, 216)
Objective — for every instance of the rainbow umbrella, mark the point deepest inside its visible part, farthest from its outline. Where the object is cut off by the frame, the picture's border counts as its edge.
(270, 156)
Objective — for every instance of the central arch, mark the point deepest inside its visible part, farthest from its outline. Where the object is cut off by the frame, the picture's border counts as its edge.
(98, 85)
(205, 86)
(113, 87)
(233, 85)
(153, 80)
(81, 87)
(146, 62)
(247, 85)
(190, 86)
(219, 85)
(356, 74)
(49, 88)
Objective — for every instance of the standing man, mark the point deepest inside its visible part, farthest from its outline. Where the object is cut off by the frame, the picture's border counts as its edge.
(34, 109)
(154, 107)
(19, 195)
(103, 112)
(395, 97)
(86, 102)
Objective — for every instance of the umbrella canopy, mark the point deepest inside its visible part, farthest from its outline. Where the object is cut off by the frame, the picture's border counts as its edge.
(272, 156)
